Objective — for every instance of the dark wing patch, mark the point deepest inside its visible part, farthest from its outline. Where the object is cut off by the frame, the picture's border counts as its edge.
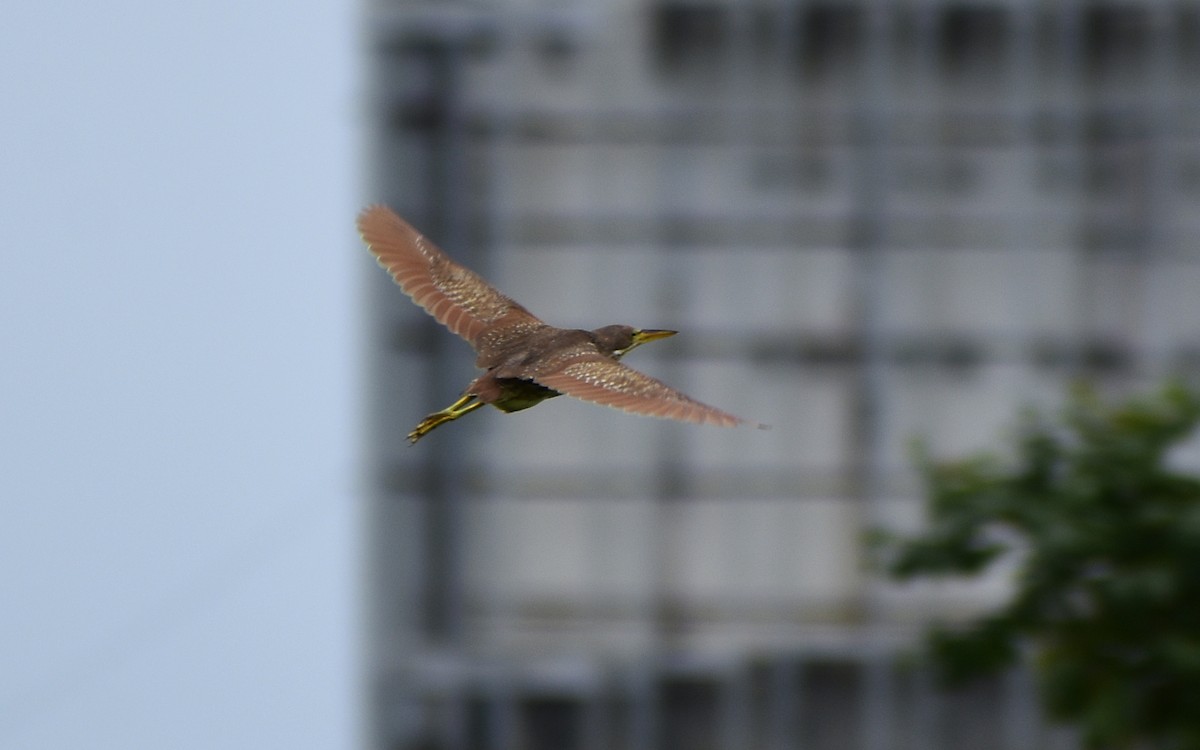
(453, 294)
(606, 381)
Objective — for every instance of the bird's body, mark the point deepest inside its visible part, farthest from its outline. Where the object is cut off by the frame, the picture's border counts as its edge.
(525, 361)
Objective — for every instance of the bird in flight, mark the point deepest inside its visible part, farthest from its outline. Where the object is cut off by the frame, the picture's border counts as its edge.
(525, 360)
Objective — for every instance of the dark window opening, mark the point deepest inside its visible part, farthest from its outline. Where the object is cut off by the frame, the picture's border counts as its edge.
(973, 42)
(689, 37)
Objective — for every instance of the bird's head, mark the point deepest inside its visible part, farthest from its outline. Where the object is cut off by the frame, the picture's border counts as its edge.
(619, 340)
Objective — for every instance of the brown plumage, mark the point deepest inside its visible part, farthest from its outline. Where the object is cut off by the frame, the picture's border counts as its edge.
(525, 360)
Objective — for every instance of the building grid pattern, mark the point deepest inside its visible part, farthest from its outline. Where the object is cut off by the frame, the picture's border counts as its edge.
(872, 221)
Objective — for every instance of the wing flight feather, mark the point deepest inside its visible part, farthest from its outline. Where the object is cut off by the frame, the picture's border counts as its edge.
(605, 381)
(453, 294)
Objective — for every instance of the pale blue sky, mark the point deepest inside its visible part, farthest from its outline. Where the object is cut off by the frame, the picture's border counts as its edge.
(178, 362)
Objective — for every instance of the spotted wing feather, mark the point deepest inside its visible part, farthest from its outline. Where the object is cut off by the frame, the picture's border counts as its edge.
(453, 294)
(606, 381)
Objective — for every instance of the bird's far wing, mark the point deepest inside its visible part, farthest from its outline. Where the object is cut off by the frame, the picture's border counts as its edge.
(455, 295)
(602, 380)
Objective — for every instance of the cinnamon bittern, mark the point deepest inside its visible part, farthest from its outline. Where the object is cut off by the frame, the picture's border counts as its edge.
(525, 360)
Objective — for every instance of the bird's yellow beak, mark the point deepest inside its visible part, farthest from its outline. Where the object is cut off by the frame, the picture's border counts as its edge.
(642, 336)
(650, 334)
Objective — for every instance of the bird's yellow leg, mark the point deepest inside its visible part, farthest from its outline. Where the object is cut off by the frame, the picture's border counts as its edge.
(465, 405)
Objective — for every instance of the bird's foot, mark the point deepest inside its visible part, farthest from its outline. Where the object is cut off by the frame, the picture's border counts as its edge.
(464, 405)
(427, 425)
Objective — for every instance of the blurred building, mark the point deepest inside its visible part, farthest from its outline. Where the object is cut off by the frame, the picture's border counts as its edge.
(872, 222)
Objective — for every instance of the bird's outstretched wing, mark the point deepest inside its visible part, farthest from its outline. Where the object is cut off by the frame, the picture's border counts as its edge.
(603, 380)
(455, 295)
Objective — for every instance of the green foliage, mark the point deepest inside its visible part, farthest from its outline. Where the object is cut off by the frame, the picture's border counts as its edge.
(1107, 539)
